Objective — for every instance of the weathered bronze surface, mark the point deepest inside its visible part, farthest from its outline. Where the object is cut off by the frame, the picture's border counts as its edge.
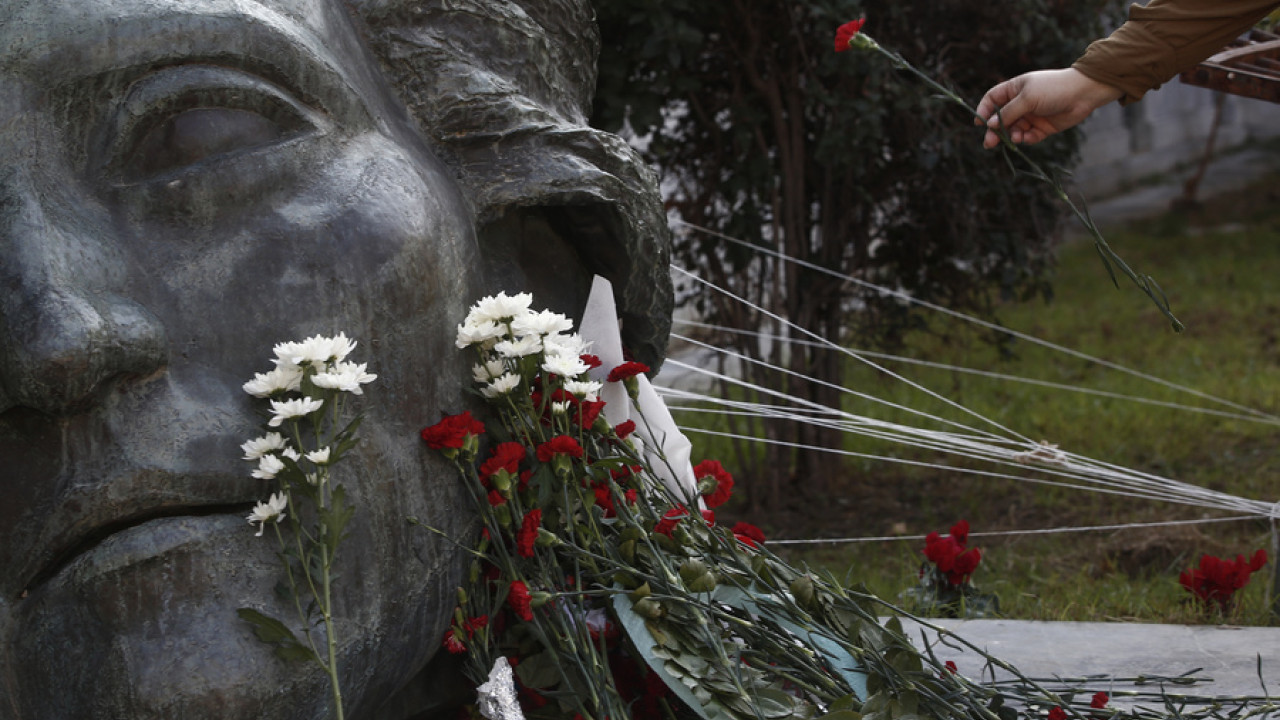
(184, 183)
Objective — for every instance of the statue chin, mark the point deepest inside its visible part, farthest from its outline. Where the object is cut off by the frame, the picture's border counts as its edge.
(187, 183)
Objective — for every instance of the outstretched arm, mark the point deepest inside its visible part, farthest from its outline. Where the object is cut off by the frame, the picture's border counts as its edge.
(1035, 105)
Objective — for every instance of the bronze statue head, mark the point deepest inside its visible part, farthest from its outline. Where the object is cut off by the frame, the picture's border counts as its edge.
(185, 183)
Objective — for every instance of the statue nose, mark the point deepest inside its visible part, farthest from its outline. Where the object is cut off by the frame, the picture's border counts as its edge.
(64, 329)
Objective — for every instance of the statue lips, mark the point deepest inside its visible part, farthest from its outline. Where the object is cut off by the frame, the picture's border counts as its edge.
(86, 522)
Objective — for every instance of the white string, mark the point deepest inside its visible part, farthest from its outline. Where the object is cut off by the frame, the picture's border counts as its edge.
(851, 354)
(1077, 472)
(1223, 500)
(981, 323)
(1264, 419)
(1007, 533)
(776, 393)
(1073, 466)
(1092, 476)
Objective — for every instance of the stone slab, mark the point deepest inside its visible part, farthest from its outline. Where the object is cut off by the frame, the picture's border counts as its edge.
(1045, 650)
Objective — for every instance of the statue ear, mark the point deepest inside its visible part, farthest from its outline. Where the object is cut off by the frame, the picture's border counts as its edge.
(501, 88)
(573, 205)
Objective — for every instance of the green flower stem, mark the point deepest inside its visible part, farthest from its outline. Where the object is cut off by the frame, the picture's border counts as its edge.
(293, 586)
(327, 609)
(1110, 258)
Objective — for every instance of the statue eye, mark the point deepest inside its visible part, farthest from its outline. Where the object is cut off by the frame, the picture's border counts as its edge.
(184, 118)
(191, 136)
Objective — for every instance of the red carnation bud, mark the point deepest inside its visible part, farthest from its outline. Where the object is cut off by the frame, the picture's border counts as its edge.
(846, 32)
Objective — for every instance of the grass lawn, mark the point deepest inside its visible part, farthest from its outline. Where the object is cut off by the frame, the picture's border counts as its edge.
(1220, 266)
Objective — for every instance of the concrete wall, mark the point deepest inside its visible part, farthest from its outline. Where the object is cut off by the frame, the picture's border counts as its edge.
(1167, 129)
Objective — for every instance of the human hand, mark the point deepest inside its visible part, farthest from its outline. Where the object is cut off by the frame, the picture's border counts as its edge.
(1038, 104)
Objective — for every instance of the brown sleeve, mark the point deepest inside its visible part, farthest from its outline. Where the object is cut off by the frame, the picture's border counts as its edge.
(1166, 37)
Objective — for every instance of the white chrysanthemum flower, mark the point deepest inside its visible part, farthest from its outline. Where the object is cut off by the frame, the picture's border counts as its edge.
(560, 407)
(317, 350)
(500, 308)
(541, 323)
(561, 344)
(521, 347)
(270, 511)
(501, 386)
(282, 378)
(478, 333)
(268, 466)
(319, 457)
(346, 377)
(487, 371)
(292, 454)
(566, 366)
(258, 447)
(583, 389)
(286, 409)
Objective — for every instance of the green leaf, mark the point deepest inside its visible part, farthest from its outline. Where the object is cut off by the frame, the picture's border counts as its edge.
(273, 632)
(539, 671)
(637, 630)
(336, 519)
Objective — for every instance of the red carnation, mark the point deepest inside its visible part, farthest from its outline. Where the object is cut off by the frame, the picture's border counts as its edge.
(669, 520)
(496, 498)
(714, 482)
(965, 563)
(591, 361)
(476, 623)
(627, 370)
(625, 428)
(950, 556)
(1216, 580)
(1099, 701)
(528, 533)
(453, 644)
(846, 32)
(559, 445)
(588, 411)
(1057, 713)
(604, 499)
(748, 534)
(950, 665)
(709, 517)
(519, 600)
(452, 431)
(506, 456)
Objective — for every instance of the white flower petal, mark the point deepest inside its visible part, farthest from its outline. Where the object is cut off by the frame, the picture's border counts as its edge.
(521, 347)
(286, 409)
(566, 366)
(268, 466)
(282, 379)
(583, 389)
(258, 447)
(500, 308)
(345, 377)
(501, 386)
(541, 323)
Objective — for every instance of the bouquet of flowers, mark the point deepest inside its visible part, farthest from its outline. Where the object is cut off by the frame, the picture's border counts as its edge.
(603, 580)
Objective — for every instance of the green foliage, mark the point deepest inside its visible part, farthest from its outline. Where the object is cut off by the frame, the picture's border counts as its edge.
(1223, 272)
(839, 159)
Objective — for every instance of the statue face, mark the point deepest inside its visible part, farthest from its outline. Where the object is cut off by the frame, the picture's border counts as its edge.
(184, 184)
